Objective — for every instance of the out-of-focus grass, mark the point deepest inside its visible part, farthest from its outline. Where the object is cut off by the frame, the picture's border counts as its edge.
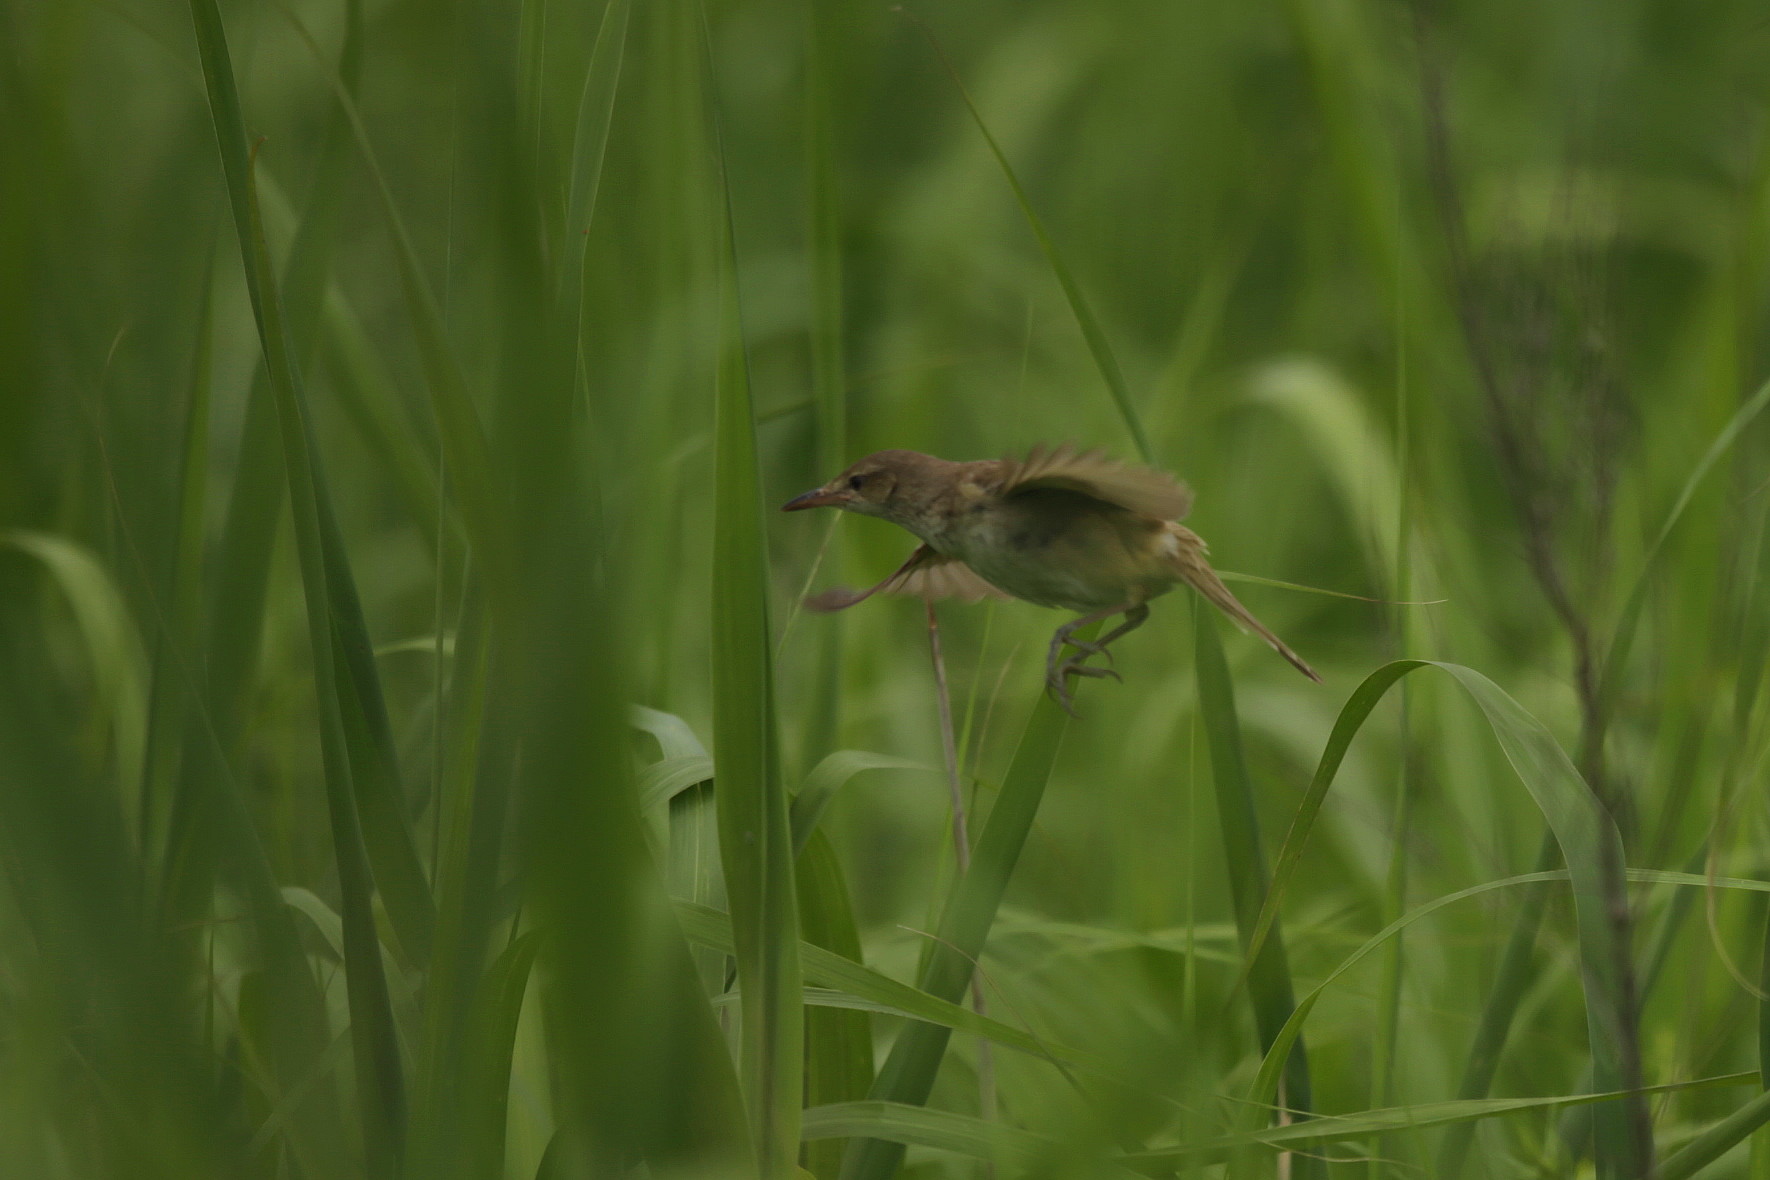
(399, 731)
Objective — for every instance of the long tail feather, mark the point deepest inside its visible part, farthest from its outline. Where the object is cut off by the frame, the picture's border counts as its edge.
(1189, 560)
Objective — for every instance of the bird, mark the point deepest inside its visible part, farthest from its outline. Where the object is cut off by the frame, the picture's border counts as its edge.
(1062, 527)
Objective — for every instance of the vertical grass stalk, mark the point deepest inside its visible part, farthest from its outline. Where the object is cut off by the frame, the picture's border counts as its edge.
(755, 842)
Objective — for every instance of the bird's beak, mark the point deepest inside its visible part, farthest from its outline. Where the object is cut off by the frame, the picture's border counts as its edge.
(815, 498)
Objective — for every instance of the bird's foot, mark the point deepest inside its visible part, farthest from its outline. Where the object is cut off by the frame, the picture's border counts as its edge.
(1056, 662)
(1057, 679)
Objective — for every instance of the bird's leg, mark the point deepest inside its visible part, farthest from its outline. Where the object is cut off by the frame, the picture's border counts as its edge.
(1063, 635)
(1058, 670)
(1135, 614)
(1134, 618)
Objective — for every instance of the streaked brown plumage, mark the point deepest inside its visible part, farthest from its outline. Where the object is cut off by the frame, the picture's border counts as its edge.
(1061, 528)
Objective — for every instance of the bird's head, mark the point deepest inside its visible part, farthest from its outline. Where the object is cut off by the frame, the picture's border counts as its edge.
(894, 485)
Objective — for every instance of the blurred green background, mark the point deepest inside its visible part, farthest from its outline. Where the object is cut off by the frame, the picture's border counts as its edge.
(334, 842)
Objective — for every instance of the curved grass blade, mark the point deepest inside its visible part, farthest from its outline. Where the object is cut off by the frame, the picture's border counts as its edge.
(662, 781)
(827, 777)
(379, 1072)
(1322, 1131)
(119, 666)
(1529, 880)
(828, 969)
(675, 738)
(1352, 716)
(1582, 828)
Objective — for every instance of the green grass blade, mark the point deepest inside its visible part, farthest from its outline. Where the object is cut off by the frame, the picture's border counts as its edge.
(463, 437)
(472, 796)
(1715, 1142)
(171, 688)
(379, 1071)
(830, 969)
(908, 1073)
(376, 784)
(824, 32)
(243, 563)
(692, 870)
(838, 1044)
(755, 840)
(1092, 332)
(1531, 882)
(1317, 1133)
(485, 1082)
(675, 737)
(1583, 830)
(966, 1135)
(903, 1125)
(1268, 970)
(370, 399)
(1352, 717)
(373, 754)
(113, 646)
(827, 777)
(1624, 636)
(596, 112)
(1512, 979)
(376, 787)
(663, 781)
(1269, 974)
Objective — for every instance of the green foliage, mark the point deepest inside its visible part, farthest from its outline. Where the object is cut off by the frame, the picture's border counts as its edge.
(414, 760)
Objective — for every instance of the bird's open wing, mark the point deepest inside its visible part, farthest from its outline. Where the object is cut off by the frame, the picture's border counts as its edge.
(927, 574)
(1141, 489)
(944, 578)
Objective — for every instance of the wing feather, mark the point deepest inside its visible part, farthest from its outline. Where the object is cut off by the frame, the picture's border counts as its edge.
(1092, 473)
(944, 579)
(927, 574)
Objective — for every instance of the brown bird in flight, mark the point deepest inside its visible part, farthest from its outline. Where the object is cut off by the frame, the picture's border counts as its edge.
(1061, 528)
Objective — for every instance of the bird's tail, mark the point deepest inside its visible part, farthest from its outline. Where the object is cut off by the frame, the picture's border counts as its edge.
(1189, 560)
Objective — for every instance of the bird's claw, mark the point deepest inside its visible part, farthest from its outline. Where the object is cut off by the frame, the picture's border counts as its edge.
(1057, 678)
(1058, 691)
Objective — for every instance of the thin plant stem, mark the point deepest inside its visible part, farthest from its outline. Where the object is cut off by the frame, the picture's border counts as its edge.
(1383, 1061)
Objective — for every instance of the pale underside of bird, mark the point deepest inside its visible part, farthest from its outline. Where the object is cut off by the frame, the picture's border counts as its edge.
(1061, 527)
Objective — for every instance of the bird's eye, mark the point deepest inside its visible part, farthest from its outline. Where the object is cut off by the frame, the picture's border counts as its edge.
(854, 481)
